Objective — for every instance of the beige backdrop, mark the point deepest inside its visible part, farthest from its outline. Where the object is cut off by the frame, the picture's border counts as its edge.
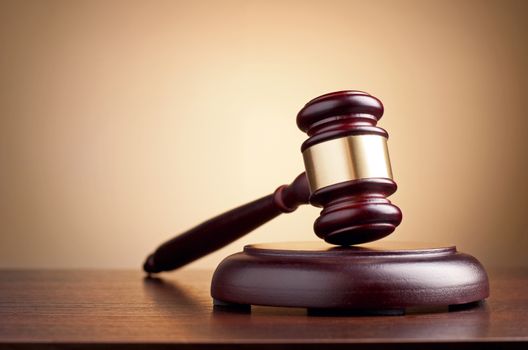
(123, 123)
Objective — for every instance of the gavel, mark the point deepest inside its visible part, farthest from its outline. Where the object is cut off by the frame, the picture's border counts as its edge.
(348, 174)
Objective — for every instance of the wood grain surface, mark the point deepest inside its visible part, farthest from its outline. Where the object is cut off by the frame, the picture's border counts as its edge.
(121, 309)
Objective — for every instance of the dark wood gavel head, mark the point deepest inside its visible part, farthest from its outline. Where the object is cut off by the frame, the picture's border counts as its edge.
(348, 167)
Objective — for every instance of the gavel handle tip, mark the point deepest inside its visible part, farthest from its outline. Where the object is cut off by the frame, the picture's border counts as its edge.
(149, 267)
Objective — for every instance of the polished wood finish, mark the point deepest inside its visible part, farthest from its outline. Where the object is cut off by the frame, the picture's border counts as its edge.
(223, 229)
(355, 211)
(120, 309)
(383, 277)
(338, 114)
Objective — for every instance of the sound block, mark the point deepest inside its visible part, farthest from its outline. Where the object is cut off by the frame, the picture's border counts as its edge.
(384, 278)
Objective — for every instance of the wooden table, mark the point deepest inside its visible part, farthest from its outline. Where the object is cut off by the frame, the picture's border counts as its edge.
(81, 309)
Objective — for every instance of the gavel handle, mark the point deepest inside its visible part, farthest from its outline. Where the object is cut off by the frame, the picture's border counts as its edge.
(223, 229)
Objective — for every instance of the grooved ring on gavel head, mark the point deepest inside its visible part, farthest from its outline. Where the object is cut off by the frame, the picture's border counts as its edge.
(348, 167)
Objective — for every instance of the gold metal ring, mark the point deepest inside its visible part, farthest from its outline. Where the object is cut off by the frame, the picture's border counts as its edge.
(347, 158)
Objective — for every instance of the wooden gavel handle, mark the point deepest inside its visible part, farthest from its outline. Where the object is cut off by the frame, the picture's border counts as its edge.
(223, 229)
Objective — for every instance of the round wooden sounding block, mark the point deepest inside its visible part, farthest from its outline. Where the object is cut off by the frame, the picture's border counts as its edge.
(380, 276)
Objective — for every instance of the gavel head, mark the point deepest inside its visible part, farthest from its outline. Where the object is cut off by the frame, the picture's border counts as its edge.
(348, 167)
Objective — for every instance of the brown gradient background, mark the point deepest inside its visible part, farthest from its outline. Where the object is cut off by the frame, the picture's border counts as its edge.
(123, 123)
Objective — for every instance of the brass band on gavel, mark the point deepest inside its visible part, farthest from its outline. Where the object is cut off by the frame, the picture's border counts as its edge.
(347, 158)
